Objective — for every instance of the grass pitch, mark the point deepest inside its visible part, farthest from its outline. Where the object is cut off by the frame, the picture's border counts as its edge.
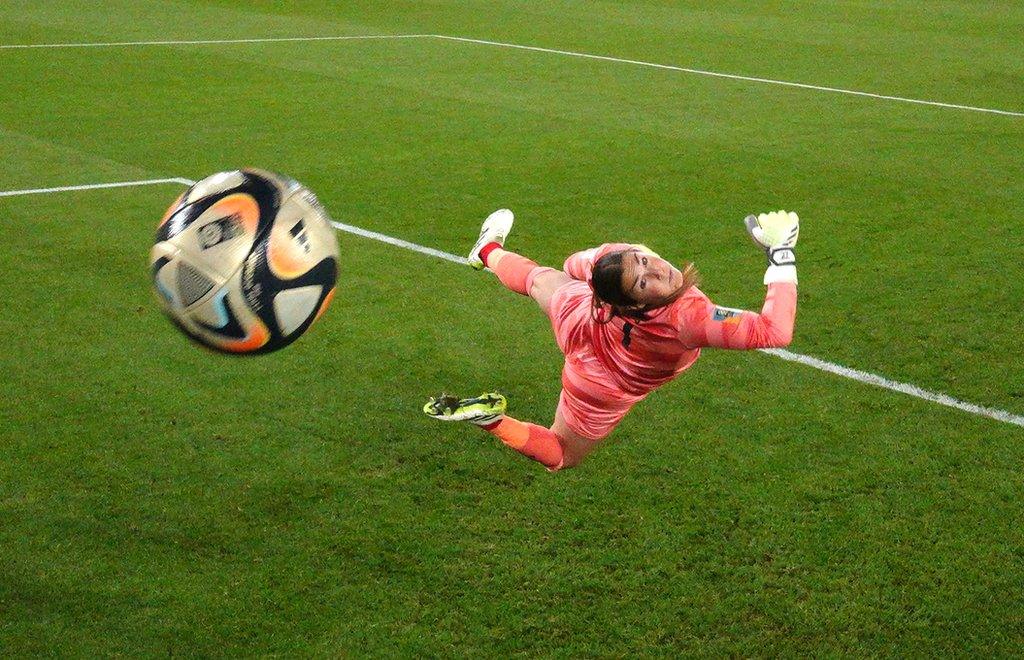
(157, 499)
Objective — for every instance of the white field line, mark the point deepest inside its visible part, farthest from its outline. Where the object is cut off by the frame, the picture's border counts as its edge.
(732, 76)
(93, 186)
(830, 367)
(210, 42)
(501, 44)
(905, 388)
(397, 242)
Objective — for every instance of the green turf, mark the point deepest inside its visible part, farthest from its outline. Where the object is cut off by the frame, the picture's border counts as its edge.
(157, 499)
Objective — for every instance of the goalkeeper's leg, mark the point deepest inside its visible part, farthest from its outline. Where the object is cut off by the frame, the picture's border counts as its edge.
(556, 448)
(525, 277)
(515, 271)
(488, 412)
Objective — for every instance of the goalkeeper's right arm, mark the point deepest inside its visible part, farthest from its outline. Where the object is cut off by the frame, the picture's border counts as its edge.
(702, 323)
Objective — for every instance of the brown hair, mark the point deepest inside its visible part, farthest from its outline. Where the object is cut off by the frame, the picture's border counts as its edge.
(606, 282)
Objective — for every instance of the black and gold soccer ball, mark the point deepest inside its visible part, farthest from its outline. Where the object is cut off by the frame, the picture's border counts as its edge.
(245, 261)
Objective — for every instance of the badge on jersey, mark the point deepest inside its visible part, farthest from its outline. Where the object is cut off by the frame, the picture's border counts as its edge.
(725, 313)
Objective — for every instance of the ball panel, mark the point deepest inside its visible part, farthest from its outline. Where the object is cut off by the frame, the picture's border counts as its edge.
(161, 270)
(214, 184)
(321, 234)
(292, 307)
(192, 285)
(290, 252)
(261, 288)
(241, 208)
(215, 315)
(163, 283)
(178, 220)
(222, 236)
(223, 323)
(301, 237)
(245, 261)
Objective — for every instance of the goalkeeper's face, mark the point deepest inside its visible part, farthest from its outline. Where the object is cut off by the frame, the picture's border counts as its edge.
(648, 279)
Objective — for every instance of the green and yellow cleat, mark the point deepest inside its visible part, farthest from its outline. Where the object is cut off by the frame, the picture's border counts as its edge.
(482, 410)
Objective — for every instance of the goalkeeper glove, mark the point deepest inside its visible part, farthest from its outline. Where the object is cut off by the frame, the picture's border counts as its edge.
(776, 233)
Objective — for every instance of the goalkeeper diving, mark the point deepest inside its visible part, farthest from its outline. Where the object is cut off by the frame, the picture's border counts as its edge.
(627, 322)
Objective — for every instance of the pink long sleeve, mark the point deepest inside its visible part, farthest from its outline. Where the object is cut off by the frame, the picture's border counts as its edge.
(702, 323)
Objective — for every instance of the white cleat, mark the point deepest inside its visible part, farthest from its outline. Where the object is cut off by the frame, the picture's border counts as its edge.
(494, 230)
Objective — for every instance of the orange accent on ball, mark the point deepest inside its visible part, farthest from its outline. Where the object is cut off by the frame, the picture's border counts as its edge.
(286, 258)
(170, 210)
(243, 206)
(323, 306)
(258, 336)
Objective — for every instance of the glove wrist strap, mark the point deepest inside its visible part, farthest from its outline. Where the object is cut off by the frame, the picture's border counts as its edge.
(782, 256)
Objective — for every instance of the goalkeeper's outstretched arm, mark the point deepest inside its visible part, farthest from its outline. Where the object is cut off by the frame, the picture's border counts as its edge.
(702, 323)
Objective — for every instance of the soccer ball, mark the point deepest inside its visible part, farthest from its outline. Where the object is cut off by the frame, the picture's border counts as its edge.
(245, 261)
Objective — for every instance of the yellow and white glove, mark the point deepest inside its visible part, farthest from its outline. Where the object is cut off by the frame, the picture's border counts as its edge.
(776, 233)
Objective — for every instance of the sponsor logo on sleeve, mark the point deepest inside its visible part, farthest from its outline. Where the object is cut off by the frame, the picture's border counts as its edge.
(726, 313)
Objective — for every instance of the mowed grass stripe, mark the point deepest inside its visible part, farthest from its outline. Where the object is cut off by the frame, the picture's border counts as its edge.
(923, 175)
(732, 76)
(554, 51)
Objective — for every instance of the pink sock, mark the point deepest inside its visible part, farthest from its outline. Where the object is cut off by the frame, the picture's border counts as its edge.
(530, 440)
(514, 272)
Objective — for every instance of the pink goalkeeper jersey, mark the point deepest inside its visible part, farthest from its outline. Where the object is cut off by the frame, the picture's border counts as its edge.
(640, 355)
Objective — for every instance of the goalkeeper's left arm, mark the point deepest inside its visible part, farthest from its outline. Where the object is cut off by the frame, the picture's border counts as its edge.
(702, 323)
